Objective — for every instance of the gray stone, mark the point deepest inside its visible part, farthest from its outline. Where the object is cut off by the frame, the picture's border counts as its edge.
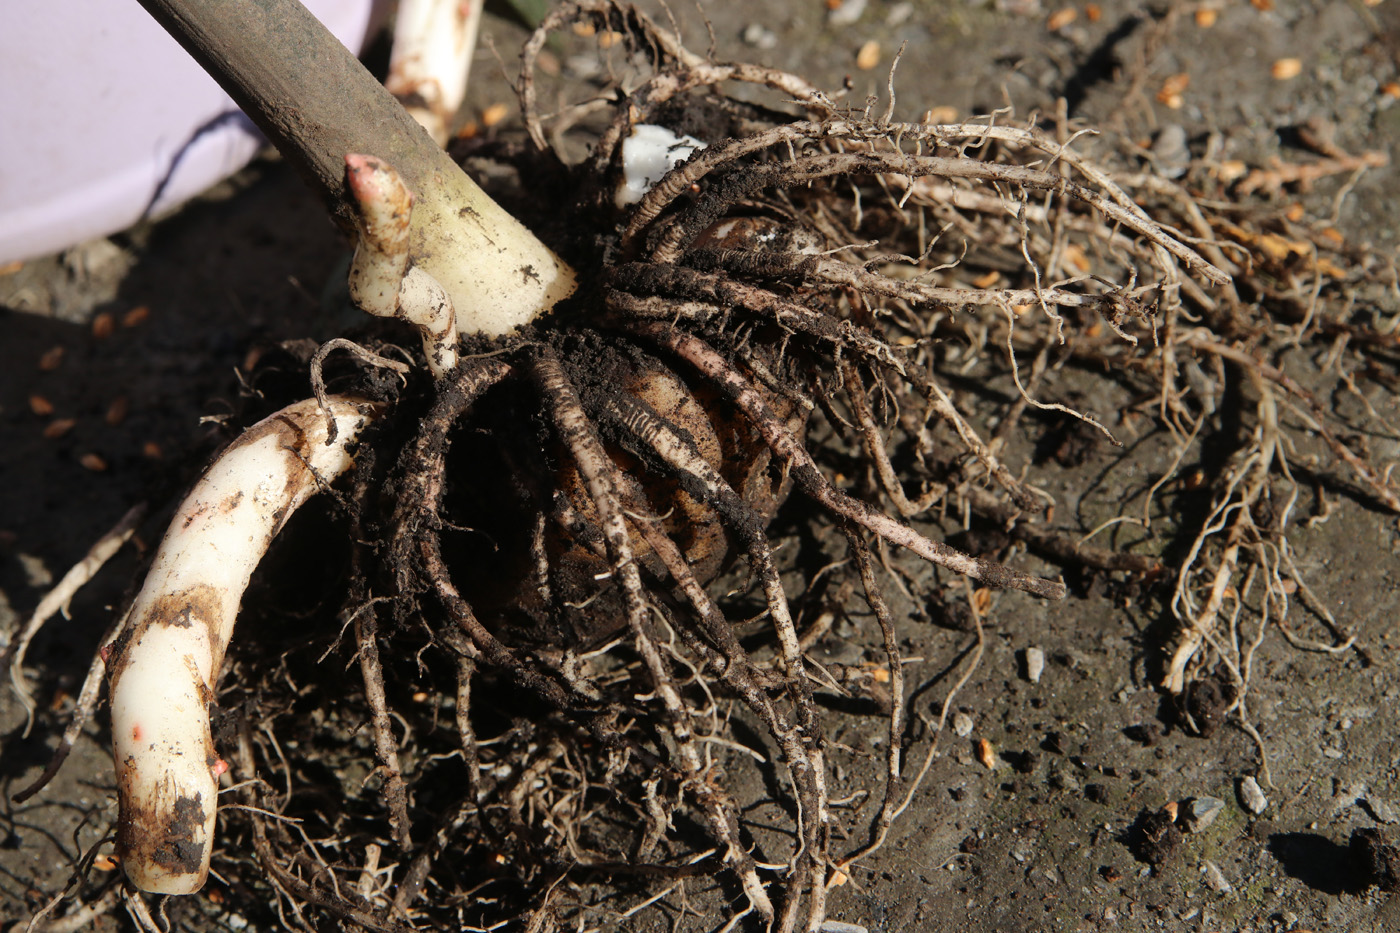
(846, 13)
(1251, 796)
(1215, 878)
(1380, 809)
(1201, 812)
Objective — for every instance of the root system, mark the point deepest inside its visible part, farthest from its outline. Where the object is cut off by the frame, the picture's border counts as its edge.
(581, 647)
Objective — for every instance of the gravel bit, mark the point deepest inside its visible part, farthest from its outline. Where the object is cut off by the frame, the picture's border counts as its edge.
(962, 724)
(1251, 797)
(1215, 878)
(1381, 811)
(1200, 812)
(846, 13)
(760, 37)
(1034, 661)
(1170, 152)
(1346, 795)
(836, 926)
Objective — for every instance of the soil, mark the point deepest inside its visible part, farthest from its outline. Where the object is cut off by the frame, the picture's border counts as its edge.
(1065, 830)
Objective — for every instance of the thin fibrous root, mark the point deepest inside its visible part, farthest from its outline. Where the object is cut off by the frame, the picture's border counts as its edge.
(83, 708)
(843, 335)
(58, 598)
(601, 476)
(165, 667)
(808, 169)
(809, 478)
(802, 744)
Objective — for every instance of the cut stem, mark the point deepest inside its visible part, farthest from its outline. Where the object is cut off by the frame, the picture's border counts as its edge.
(317, 103)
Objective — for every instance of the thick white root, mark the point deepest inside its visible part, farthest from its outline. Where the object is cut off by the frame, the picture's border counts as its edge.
(163, 671)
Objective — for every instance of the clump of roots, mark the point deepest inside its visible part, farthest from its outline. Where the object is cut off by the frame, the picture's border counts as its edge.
(819, 278)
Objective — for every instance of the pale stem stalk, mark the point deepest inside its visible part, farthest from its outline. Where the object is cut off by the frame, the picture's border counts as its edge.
(318, 104)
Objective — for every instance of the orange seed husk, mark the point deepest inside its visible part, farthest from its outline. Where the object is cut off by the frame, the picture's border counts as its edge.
(103, 325)
(868, 56)
(59, 427)
(494, 114)
(117, 411)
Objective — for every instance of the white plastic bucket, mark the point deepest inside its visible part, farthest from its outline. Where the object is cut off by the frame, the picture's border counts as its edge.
(104, 119)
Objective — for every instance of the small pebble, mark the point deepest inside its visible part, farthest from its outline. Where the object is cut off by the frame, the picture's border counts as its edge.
(836, 926)
(1380, 809)
(760, 37)
(1251, 797)
(1201, 812)
(1215, 878)
(1346, 795)
(846, 12)
(962, 724)
(899, 14)
(1285, 69)
(494, 114)
(1034, 660)
(582, 67)
(1170, 150)
(35, 573)
(1061, 18)
(986, 754)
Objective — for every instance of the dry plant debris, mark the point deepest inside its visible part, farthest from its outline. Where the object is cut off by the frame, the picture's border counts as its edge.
(552, 659)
